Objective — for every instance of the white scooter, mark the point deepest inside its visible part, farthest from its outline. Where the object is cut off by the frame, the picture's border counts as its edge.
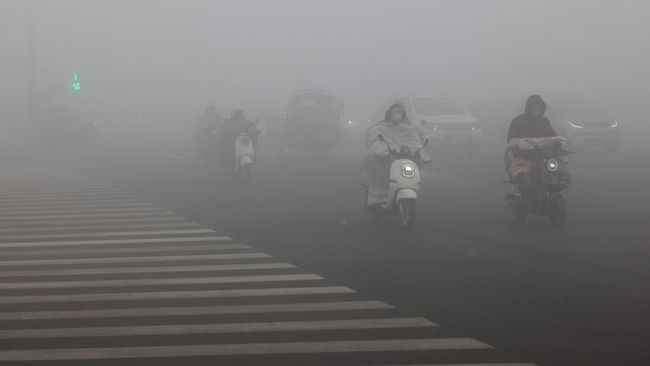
(244, 157)
(403, 188)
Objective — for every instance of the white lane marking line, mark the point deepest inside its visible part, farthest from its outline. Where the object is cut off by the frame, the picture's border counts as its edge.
(161, 258)
(75, 201)
(84, 216)
(58, 187)
(29, 244)
(138, 249)
(95, 221)
(187, 295)
(108, 234)
(197, 310)
(54, 191)
(96, 228)
(467, 364)
(285, 326)
(66, 195)
(134, 270)
(62, 183)
(66, 199)
(161, 281)
(73, 205)
(388, 345)
(58, 212)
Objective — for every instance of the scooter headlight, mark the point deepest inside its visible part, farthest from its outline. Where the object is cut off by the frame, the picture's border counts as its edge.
(552, 165)
(408, 170)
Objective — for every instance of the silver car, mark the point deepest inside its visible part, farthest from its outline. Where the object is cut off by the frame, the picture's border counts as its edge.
(584, 124)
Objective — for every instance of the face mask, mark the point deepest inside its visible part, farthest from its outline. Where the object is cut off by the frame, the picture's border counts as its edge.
(396, 117)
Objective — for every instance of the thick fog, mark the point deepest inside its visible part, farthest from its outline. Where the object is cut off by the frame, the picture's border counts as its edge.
(171, 58)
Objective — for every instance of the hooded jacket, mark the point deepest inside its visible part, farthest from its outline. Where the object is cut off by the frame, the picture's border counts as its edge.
(375, 169)
(526, 125)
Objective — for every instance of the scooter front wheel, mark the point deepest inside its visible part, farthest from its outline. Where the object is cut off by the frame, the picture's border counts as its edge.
(246, 172)
(557, 209)
(406, 209)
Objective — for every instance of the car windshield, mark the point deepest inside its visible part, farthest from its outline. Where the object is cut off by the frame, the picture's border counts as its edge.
(319, 104)
(437, 106)
(579, 108)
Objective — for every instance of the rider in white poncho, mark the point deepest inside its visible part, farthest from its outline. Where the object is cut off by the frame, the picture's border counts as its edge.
(397, 132)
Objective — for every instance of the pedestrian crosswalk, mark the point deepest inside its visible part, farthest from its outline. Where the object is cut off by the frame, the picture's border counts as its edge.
(91, 274)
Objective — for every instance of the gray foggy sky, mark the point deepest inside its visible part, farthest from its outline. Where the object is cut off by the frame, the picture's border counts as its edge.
(183, 54)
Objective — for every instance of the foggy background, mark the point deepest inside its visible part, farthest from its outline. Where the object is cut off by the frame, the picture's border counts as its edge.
(171, 58)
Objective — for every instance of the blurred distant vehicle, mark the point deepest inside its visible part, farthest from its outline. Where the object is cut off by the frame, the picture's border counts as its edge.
(584, 124)
(353, 124)
(313, 120)
(443, 119)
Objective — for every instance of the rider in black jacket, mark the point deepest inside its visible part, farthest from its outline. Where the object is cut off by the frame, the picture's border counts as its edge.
(532, 123)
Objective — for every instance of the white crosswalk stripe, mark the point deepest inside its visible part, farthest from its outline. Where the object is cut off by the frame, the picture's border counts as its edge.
(96, 229)
(198, 310)
(29, 244)
(88, 272)
(127, 220)
(217, 328)
(107, 234)
(77, 211)
(132, 259)
(121, 250)
(427, 344)
(135, 270)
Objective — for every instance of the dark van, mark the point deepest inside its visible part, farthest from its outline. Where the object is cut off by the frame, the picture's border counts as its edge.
(313, 120)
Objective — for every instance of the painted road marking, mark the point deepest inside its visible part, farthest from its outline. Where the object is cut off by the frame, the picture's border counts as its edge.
(161, 281)
(427, 344)
(184, 239)
(197, 310)
(129, 296)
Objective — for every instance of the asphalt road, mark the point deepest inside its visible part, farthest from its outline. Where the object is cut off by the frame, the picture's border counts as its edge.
(578, 295)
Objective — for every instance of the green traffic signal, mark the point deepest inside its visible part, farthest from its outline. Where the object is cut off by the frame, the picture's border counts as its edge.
(76, 85)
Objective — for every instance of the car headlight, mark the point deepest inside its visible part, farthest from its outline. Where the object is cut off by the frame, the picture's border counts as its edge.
(552, 165)
(408, 170)
(575, 125)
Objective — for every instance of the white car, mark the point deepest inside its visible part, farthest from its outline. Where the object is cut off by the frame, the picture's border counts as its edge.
(443, 119)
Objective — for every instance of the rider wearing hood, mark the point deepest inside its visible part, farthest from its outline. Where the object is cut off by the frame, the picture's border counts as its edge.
(231, 128)
(532, 123)
(210, 118)
(396, 132)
